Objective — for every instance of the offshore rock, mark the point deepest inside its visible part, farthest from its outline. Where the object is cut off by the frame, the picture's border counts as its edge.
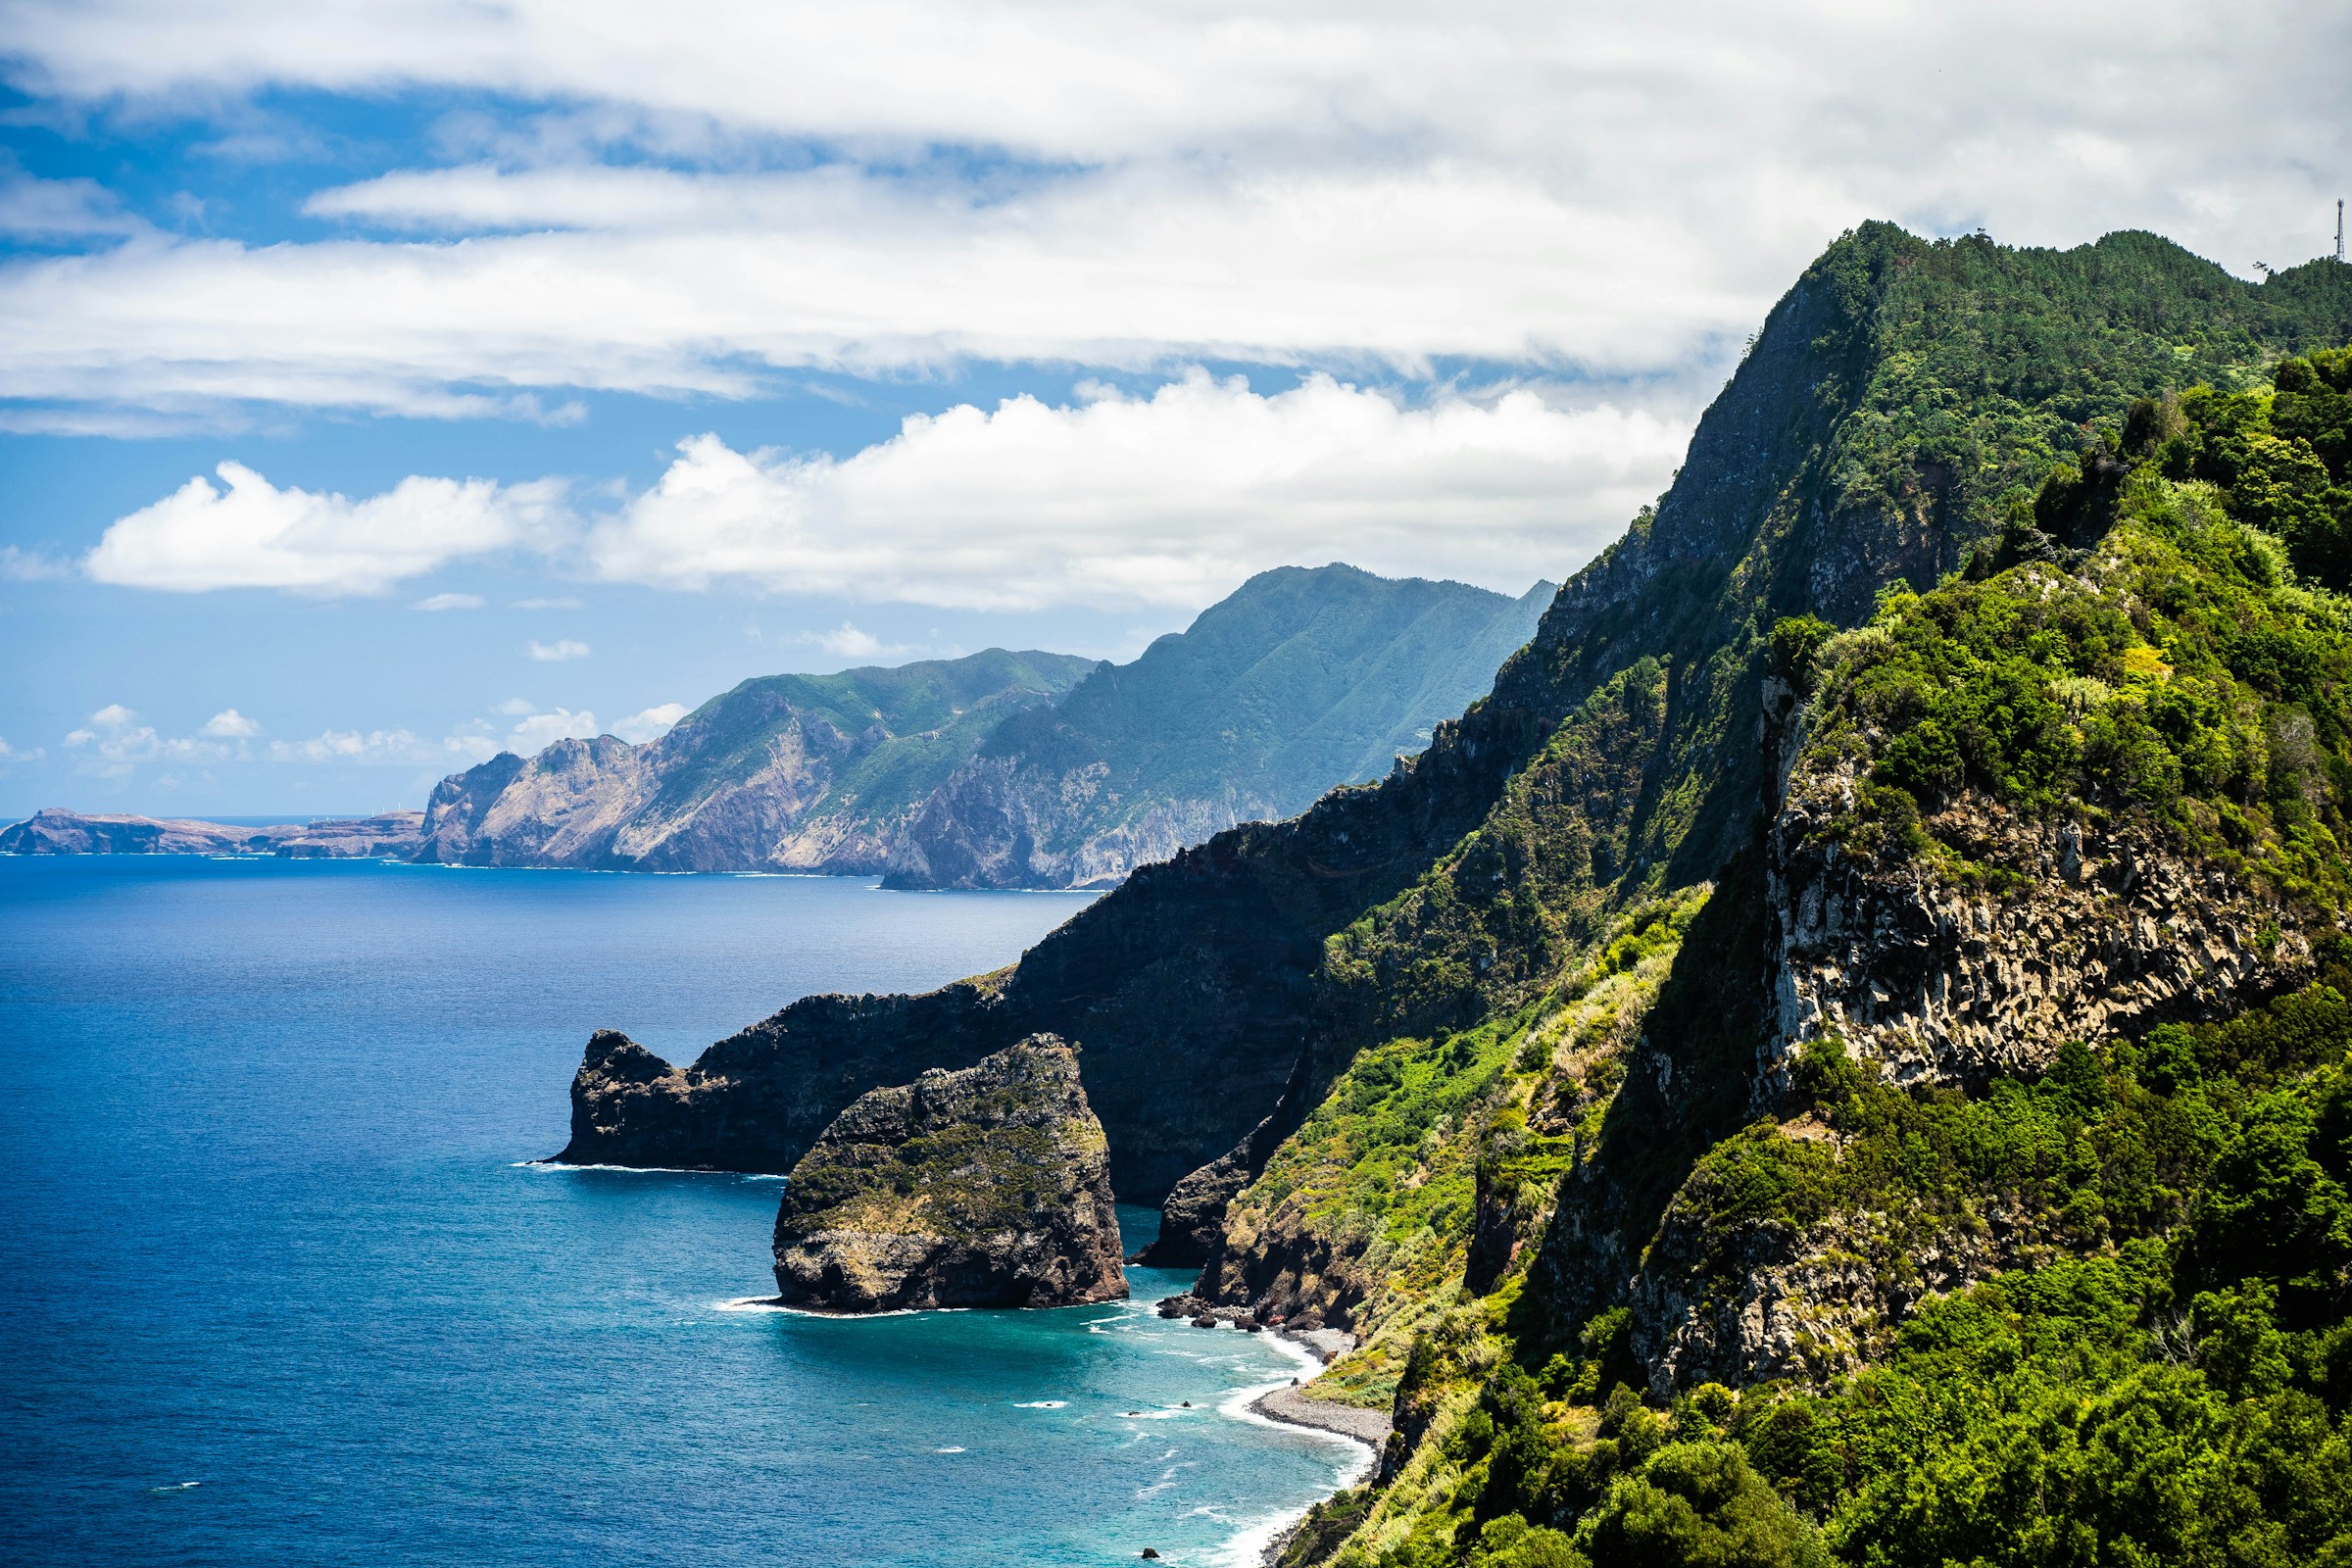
(988, 1186)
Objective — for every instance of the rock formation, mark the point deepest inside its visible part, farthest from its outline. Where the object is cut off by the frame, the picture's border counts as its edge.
(987, 1187)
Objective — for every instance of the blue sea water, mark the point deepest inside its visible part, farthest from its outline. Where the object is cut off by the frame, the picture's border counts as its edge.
(275, 1288)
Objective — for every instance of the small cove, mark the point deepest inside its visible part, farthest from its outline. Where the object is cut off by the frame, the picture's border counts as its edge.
(275, 1239)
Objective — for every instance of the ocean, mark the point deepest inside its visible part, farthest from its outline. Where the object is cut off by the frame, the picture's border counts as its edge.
(281, 1286)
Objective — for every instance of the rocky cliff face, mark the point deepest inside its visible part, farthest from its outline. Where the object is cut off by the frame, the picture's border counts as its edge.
(395, 834)
(2102, 930)
(984, 1187)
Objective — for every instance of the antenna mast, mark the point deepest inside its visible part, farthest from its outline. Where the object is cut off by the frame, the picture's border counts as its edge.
(2339, 229)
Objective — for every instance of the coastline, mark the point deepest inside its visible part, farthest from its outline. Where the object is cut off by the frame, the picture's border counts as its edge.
(1365, 1431)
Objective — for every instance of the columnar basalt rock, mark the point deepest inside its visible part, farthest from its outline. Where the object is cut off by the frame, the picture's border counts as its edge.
(988, 1186)
(2107, 930)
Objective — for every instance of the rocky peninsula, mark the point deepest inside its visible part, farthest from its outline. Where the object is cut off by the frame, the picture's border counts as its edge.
(984, 1187)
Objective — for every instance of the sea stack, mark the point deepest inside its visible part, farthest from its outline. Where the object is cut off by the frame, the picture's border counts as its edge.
(986, 1186)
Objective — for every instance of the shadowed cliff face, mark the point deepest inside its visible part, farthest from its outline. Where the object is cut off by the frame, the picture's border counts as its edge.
(1619, 756)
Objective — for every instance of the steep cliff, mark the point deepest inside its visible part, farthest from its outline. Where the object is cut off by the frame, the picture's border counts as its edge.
(987, 1187)
(1894, 399)
(1299, 681)
(1985, 1145)
(784, 773)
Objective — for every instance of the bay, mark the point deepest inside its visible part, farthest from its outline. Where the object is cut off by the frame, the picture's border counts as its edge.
(280, 1288)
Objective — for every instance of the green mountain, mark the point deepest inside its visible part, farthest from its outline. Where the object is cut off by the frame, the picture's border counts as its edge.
(784, 773)
(1010, 770)
(1299, 681)
(1842, 1055)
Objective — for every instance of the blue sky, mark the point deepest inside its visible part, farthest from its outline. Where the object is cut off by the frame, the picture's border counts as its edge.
(384, 384)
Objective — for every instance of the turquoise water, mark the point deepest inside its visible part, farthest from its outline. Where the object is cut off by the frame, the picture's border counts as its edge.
(278, 1291)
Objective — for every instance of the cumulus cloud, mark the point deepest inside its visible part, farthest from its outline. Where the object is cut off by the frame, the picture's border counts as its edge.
(230, 724)
(534, 731)
(557, 652)
(449, 602)
(1125, 183)
(848, 641)
(1169, 499)
(256, 535)
(9, 753)
(51, 209)
(31, 565)
(380, 746)
(112, 743)
(1164, 499)
(650, 723)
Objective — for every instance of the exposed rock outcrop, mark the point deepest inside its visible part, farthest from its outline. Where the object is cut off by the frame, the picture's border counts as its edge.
(394, 835)
(2111, 929)
(988, 1186)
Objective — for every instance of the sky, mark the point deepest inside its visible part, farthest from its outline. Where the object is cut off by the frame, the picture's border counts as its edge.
(384, 385)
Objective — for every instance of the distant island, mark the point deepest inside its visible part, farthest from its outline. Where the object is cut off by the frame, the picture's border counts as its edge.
(998, 769)
(391, 836)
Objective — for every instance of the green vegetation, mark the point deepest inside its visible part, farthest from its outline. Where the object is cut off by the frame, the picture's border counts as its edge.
(2155, 1364)
(1423, 1135)
(2175, 666)
(1300, 680)
(2173, 1385)
(928, 717)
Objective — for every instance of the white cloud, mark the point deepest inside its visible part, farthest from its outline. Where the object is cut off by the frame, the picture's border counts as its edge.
(255, 535)
(557, 652)
(516, 707)
(9, 753)
(650, 723)
(51, 209)
(1169, 499)
(1131, 183)
(535, 731)
(545, 604)
(31, 565)
(381, 746)
(846, 641)
(449, 602)
(115, 742)
(230, 724)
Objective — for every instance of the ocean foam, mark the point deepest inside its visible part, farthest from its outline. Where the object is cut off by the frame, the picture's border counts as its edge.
(643, 1170)
(1040, 1404)
(765, 1304)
